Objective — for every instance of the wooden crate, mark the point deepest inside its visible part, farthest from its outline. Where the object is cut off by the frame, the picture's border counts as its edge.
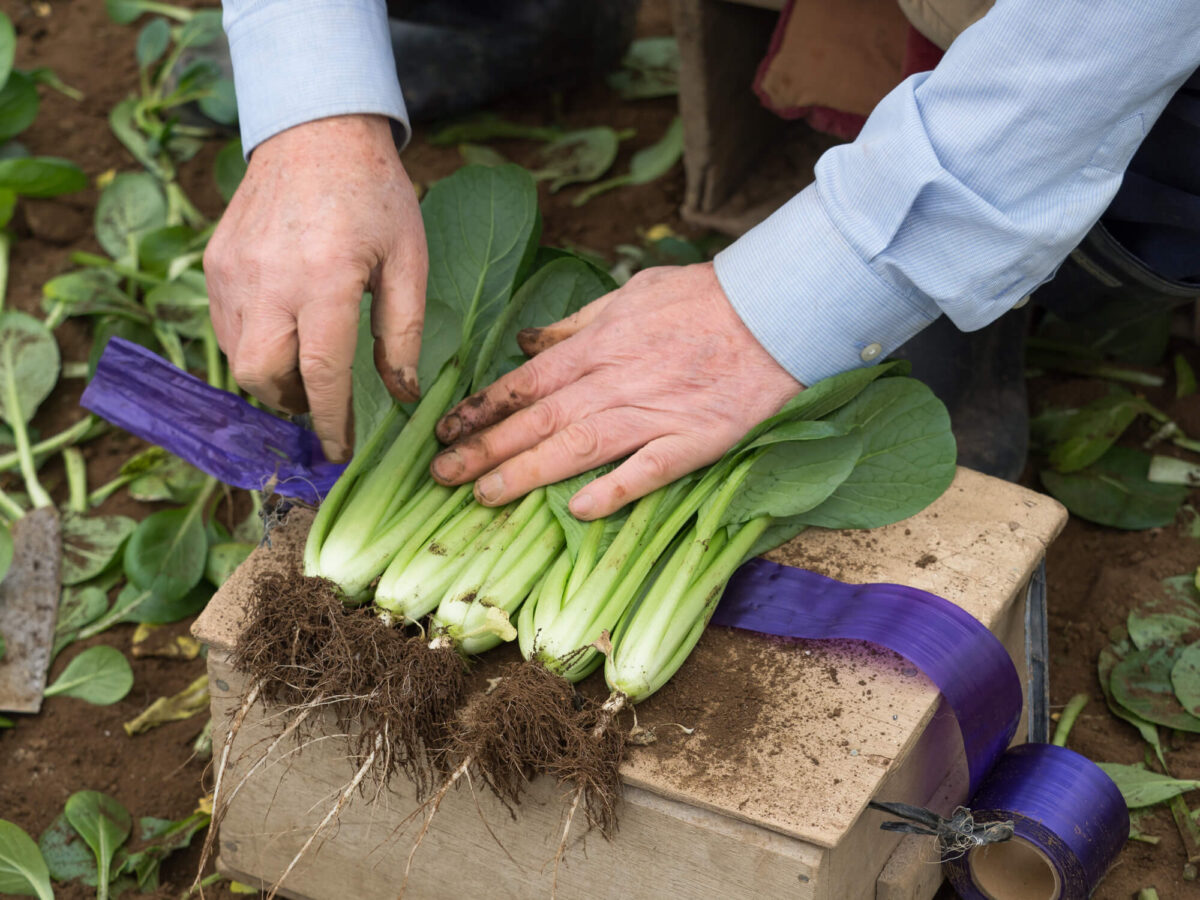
(783, 816)
(742, 160)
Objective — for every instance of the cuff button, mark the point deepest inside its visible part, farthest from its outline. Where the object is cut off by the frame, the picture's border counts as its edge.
(869, 352)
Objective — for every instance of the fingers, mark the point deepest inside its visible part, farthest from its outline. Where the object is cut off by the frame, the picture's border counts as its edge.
(533, 341)
(516, 390)
(657, 464)
(265, 360)
(579, 446)
(521, 431)
(327, 333)
(397, 312)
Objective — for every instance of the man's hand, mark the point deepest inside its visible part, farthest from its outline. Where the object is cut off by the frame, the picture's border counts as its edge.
(324, 213)
(662, 368)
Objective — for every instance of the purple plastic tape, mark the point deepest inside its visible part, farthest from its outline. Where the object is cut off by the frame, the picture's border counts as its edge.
(1060, 802)
(217, 432)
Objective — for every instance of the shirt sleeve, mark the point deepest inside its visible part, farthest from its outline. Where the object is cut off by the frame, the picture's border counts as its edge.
(968, 185)
(295, 61)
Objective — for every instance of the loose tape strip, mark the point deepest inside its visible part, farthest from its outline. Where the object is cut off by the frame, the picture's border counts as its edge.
(216, 431)
(1069, 819)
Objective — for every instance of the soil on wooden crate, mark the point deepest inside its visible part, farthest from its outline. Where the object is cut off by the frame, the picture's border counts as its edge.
(1095, 574)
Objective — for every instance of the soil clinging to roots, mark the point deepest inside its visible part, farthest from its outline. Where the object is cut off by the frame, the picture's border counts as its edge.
(305, 648)
(533, 722)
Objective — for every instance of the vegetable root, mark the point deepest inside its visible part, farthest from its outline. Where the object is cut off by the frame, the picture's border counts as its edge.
(332, 814)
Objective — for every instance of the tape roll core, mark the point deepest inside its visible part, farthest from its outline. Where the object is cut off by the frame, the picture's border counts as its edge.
(1014, 870)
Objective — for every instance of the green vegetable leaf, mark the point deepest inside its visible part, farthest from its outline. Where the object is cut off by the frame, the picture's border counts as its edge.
(223, 558)
(91, 544)
(6, 549)
(172, 480)
(1114, 491)
(229, 168)
(178, 305)
(489, 127)
(124, 126)
(8, 204)
(220, 104)
(646, 165)
(29, 364)
(480, 226)
(167, 552)
(104, 824)
(41, 176)
(19, 103)
(22, 869)
(90, 292)
(578, 156)
(1185, 678)
(162, 838)
(201, 29)
(1105, 663)
(67, 856)
(650, 69)
(558, 495)
(1093, 429)
(140, 605)
(8, 46)
(1141, 787)
(908, 456)
(100, 675)
(130, 206)
(1165, 620)
(370, 398)
(553, 292)
(79, 607)
(1142, 684)
(793, 477)
(152, 42)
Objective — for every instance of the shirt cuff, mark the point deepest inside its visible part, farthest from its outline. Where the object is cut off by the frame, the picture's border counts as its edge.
(302, 60)
(810, 299)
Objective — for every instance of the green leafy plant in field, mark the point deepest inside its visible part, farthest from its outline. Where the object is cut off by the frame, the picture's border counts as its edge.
(23, 175)
(89, 842)
(22, 868)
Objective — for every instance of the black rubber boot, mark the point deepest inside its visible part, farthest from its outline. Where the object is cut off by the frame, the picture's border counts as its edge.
(980, 376)
(1105, 286)
(452, 57)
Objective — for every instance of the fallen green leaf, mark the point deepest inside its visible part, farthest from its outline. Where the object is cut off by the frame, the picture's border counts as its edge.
(130, 206)
(1142, 684)
(1185, 678)
(223, 559)
(91, 544)
(489, 127)
(104, 824)
(1169, 618)
(1093, 429)
(650, 69)
(68, 857)
(1141, 787)
(100, 675)
(166, 553)
(1114, 491)
(22, 868)
(189, 702)
(1105, 663)
(577, 156)
(646, 165)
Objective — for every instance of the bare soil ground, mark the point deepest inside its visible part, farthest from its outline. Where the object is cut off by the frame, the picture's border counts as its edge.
(1095, 574)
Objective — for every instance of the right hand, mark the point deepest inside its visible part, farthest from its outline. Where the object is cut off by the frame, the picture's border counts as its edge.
(324, 213)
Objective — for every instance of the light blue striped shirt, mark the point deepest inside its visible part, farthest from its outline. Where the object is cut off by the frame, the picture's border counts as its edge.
(964, 192)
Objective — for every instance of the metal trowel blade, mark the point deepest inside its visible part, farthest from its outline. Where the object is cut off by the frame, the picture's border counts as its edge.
(29, 610)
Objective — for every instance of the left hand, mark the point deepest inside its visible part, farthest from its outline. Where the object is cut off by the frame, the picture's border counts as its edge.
(662, 368)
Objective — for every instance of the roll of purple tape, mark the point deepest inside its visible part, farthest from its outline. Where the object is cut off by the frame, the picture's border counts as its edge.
(1069, 818)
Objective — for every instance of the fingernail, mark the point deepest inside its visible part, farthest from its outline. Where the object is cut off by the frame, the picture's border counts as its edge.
(407, 377)
(335, 451)
(583, 506)
(448, 465)
(489, 488)
(528, 341)
(450, 428)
